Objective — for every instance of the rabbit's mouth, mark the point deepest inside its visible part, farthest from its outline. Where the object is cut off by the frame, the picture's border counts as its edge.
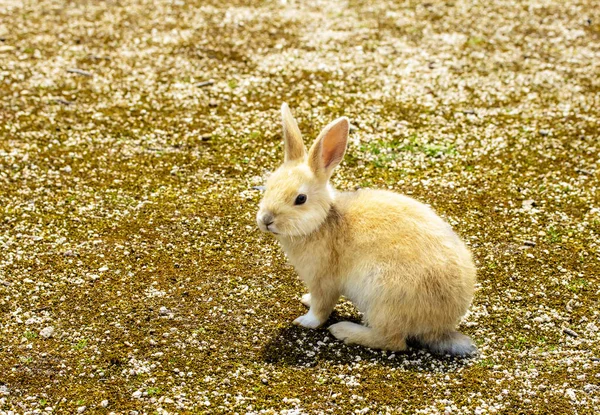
(267, 228)
(271, 230)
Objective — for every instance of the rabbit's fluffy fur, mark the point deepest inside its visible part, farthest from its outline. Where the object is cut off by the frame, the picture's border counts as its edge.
(401, 265)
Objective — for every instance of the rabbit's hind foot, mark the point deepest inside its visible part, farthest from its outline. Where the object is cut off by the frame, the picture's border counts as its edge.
(352, 333)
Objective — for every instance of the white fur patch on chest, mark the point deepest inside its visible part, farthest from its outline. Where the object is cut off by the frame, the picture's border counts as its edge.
(305, 262)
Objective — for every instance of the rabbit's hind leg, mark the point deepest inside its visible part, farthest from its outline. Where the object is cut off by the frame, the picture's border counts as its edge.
(352, 333)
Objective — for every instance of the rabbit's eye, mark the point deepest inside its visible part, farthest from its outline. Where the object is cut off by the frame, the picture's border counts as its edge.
(300, 199)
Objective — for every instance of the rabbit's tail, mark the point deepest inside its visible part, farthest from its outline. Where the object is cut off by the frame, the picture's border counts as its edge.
(452, 343)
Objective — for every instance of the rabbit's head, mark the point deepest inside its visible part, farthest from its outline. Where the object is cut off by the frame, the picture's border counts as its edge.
(298, 196)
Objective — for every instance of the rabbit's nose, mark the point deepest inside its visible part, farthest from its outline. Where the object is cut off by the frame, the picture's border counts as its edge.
(267, 219)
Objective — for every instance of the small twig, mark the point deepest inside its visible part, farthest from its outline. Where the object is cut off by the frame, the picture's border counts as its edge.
(99, 58)
(79, 72)
(62, 101)
(584, 172)
(205, 83)
(570, 332)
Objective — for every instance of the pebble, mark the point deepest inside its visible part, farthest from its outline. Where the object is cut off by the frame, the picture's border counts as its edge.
(47, 332)
(137, 394)
(104, 403)
(528, 204)
(81, 409)
(164, 311)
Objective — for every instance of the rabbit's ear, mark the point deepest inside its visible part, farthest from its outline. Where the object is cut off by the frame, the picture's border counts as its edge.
(292, 139)
(329, 148)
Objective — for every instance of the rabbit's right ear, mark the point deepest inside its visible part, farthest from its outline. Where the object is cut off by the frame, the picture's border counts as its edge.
(328, 149)
(292, 139)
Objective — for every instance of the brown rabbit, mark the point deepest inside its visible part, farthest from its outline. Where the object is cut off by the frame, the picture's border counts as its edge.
(401, 265)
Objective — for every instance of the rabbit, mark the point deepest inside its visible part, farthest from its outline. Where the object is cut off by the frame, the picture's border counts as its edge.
(399, 263)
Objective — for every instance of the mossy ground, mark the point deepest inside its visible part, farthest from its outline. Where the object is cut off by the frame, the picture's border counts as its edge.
(130, 190)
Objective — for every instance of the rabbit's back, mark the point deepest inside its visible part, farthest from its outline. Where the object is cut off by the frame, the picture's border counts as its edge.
(381, 217)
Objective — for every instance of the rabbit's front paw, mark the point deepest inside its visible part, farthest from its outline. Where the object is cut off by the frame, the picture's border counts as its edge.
(308, 320)
(306, 300)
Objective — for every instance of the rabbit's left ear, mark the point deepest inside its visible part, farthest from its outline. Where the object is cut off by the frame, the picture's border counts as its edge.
(328, 149)
(292, 139)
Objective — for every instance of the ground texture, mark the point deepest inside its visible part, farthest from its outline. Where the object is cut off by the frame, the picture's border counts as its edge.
(133, 278)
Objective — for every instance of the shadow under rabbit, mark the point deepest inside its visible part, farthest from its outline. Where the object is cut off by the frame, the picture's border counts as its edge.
(296, 346)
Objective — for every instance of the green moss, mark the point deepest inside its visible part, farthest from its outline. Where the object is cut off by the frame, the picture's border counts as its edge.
(153, 391)
(81, 344)
(30, 335)
(578, 285)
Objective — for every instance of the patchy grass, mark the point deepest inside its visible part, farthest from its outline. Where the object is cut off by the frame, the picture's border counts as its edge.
(127, 203)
